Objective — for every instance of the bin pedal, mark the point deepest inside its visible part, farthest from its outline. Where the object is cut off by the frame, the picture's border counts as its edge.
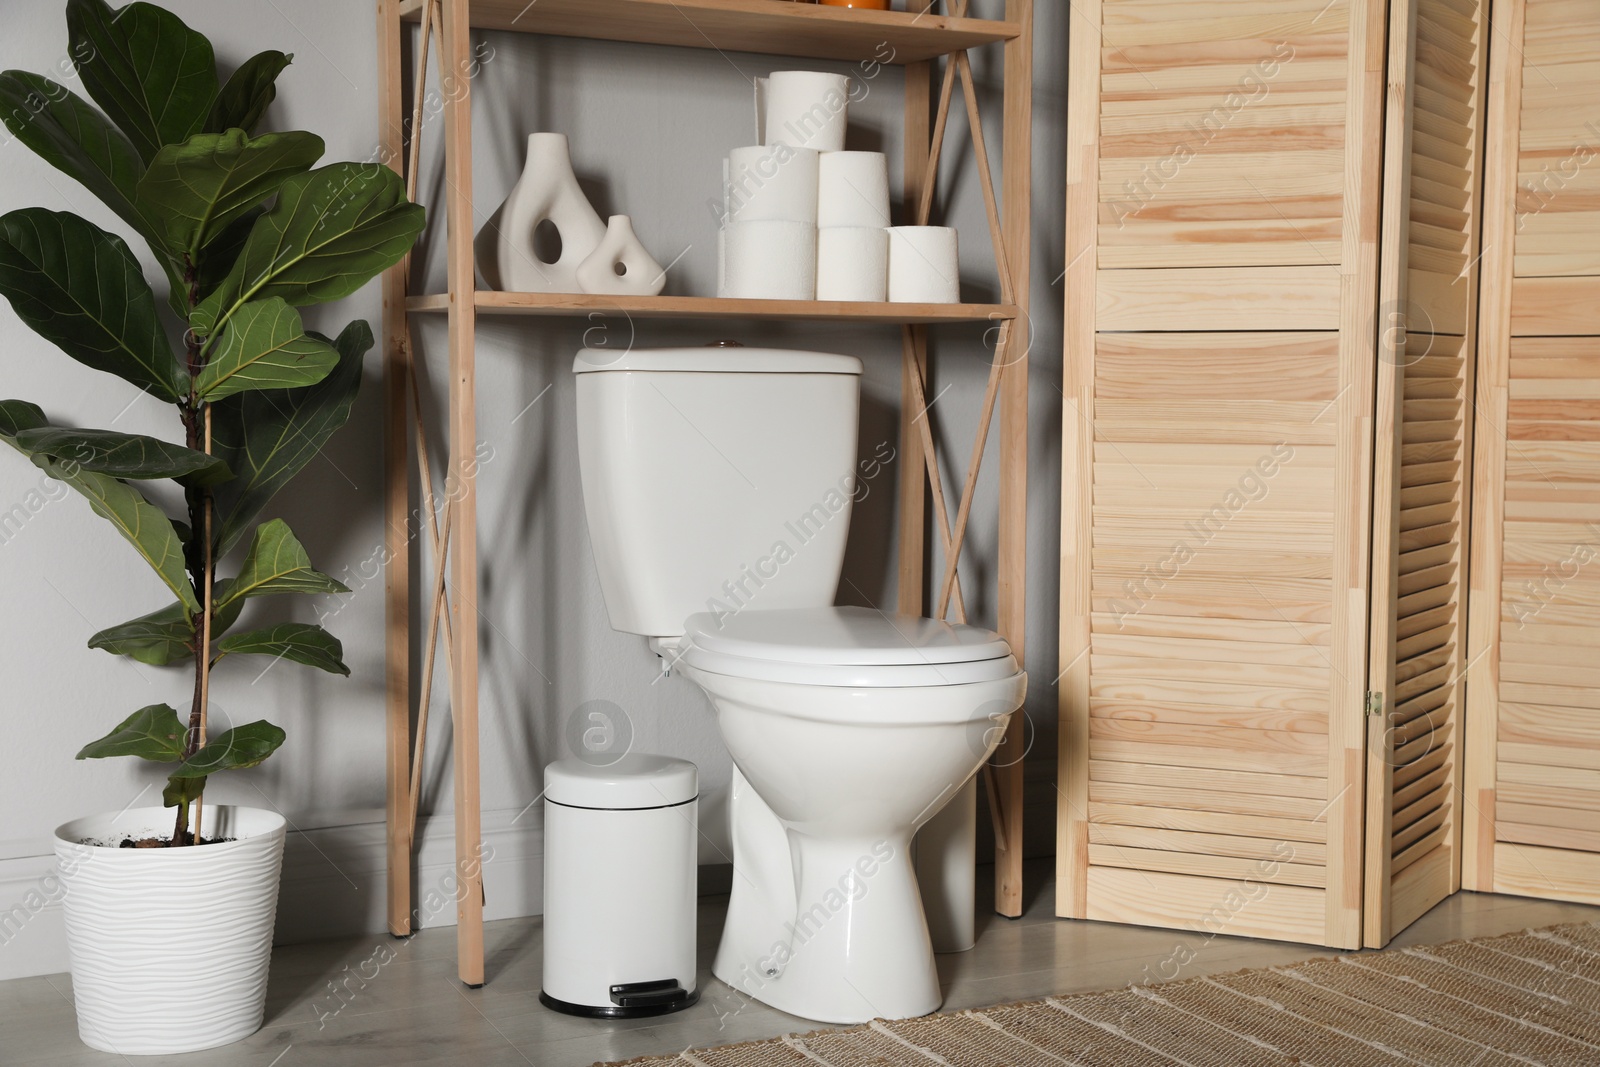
(649, 994)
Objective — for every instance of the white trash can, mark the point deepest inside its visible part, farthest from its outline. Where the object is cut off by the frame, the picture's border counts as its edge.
(620, 873)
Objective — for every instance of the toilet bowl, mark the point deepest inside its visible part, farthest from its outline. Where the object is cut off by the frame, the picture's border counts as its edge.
(718, 485)
(850, 729)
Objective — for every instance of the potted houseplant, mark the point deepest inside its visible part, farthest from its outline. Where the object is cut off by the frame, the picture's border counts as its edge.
(170, 909)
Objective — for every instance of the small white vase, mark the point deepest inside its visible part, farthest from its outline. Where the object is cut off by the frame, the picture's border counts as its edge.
(170, 946)
(547, 190)
(620, 265)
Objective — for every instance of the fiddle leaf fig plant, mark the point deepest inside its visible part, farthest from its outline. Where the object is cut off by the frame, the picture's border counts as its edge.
(246, 228)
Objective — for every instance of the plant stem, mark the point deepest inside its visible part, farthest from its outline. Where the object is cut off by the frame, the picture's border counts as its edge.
(200, 558)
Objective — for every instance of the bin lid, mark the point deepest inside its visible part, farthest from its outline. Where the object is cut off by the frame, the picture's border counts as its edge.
(634, 781)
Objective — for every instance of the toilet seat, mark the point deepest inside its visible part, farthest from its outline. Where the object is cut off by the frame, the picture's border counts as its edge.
(848, 647)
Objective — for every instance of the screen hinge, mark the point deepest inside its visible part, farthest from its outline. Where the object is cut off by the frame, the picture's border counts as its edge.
(1374, 703)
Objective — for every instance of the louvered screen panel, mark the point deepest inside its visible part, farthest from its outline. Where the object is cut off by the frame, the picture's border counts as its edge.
(1222, 214)
(1427, 302)
(1533, 824)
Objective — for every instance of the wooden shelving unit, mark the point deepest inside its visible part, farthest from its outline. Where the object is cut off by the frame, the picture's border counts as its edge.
(932, 48)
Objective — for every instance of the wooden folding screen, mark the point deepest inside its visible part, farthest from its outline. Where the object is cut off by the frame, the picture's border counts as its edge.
(1427, 310)
(1532, 818)
(1265, 460)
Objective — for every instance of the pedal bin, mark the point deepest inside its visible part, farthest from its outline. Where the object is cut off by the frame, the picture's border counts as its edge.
(620, 849)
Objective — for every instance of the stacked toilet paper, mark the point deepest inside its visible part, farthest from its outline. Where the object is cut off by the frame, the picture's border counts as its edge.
(803, 219)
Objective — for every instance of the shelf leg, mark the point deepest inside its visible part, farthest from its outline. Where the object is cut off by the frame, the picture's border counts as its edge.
(461, 485)
(912, 551)
(1017, 167)
(397, 504)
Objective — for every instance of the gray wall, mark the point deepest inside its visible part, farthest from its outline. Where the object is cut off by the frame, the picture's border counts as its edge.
(649, 127)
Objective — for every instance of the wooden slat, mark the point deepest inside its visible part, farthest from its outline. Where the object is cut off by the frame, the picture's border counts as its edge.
(1209, 801)
(1251, 848)
(1249, 758)
(1146, 859)
(1168, 777)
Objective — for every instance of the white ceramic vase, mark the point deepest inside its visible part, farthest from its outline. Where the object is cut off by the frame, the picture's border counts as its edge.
(170, 946)
(547, 190)
(620, 265)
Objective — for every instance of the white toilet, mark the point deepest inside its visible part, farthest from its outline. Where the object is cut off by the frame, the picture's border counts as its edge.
(718, 484)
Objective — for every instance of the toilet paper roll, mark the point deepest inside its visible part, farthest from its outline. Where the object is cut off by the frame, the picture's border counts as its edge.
(804, 109)
(772, 182)
(770, 259)
(852, 263)
(852, 189)
(923, 265)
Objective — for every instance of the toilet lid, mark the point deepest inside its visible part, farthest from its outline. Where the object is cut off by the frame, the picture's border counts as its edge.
(845, 647)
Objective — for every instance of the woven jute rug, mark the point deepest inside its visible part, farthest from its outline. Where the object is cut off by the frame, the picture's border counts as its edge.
(1510, 1001)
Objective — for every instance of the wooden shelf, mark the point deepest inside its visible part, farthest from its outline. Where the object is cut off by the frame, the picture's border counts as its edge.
(707, 307)
(774, 27)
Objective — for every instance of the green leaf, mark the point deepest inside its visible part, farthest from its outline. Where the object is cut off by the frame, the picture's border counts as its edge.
(275, 563)
(80, 288)
(124, 455)
(266, 438)
(154, 76)
(153, 733)
(17, 416)
(181, 792)
(162, 637)
(264, 346)
(298, 641)
(145, 526)
(242, 746)
(329, 233)
(245, 96)
(194, 190)
(65, 132)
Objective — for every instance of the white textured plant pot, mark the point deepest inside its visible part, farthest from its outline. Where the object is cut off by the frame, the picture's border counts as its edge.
(170, 946)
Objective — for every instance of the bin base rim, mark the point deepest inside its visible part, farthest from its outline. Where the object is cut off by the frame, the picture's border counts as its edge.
(613, 1011)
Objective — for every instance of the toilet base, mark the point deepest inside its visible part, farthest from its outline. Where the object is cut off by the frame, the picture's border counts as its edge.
(852, 947)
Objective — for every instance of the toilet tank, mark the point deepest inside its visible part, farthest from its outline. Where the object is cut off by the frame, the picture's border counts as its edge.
(715, 478)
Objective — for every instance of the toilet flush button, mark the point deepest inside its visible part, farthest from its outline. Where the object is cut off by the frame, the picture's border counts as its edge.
(724, 344)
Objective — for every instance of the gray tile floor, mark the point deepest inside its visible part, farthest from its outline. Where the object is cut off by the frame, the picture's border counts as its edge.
(414, 1012)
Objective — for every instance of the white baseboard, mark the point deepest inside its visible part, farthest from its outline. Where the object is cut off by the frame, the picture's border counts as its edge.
(334, 879)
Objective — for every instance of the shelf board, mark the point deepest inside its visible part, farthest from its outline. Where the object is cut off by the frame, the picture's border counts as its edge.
(575, 305)
(773, 27)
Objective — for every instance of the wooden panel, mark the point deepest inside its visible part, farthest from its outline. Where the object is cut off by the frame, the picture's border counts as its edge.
(1221, 247)
(1533, 754)
(1216, 298)
(1550, 873)
(1558, 186)
(1232, 907)
(1291, 366)
(1546, 307)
